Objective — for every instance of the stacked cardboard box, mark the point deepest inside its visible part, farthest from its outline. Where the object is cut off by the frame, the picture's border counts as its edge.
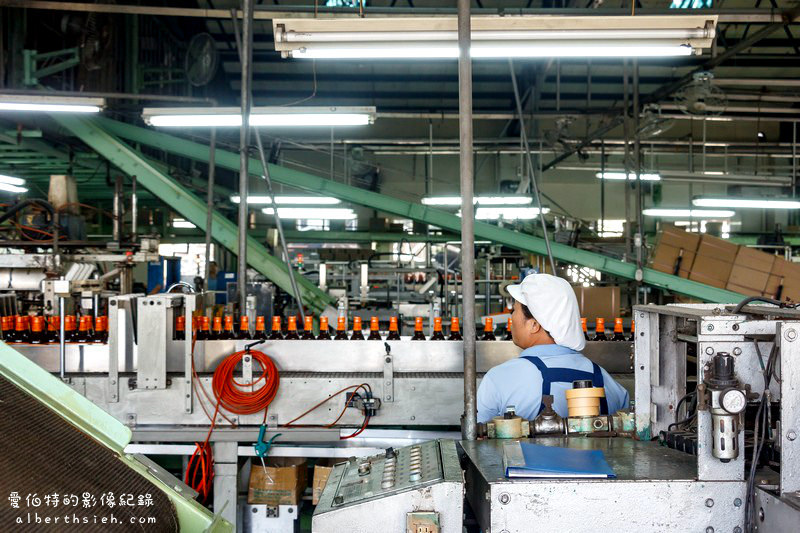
(714, 261)
(675, 252)
(281, 482)
(725, 265)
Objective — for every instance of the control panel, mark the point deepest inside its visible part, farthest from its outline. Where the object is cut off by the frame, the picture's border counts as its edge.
(395, 470)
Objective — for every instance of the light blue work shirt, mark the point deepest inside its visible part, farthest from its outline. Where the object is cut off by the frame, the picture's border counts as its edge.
(519, 383)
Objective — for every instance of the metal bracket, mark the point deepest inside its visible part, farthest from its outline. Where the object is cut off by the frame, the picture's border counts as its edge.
(388, 375)
(69, 57)
(189, 305)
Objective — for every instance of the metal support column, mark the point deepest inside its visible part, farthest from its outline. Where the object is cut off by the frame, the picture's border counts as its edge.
(244, 143)
(212, 165)
(469, 424)
(226, 473)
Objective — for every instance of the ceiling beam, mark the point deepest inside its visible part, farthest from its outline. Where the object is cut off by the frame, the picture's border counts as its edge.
(417, 212)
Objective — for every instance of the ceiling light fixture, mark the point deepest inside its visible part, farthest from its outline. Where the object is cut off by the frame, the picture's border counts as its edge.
(508, 213)
(313, 213)
(290, 117)
(12, 184)
(182, 223)
(50, 104)
(494, 37)
(288, 200)
(615, 175)
(478, 200)
(688, 213)
(748, 203)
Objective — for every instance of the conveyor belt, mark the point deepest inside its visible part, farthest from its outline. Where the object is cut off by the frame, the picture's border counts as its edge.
(43, 454)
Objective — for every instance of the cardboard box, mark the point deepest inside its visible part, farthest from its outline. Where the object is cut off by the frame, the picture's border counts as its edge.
(675, 248)
(322, 470)
(783, 272)
(751, 271)
(714, 261)
(283, 483)
(791, 290)
(598, 302)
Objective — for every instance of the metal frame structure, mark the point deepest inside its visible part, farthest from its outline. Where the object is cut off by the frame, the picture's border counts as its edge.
(101, 133)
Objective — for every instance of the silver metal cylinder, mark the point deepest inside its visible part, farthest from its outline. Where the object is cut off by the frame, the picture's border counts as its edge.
(469, 427)
(244, 143)
(21, 279)
(725, 430)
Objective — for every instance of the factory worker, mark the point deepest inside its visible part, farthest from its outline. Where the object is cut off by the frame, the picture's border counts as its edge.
(546, 324)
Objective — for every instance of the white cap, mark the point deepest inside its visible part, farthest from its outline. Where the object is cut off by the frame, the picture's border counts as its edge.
(553, 304)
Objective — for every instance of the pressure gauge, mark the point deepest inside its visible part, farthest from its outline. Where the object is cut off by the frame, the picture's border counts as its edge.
(733, 401)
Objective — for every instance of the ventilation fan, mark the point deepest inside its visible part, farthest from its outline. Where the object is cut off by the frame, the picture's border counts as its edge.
(701, 97)
(202, 60)
(96, 42)
(652, 124)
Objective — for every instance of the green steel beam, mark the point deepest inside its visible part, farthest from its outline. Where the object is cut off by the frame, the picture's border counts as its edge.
(363, 236)
(420, 213)
(188, 205)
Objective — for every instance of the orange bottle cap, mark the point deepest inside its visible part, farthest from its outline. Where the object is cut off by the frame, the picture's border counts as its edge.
(292, 323)
(37, 324)
(393, 323)
(259, 323)
(633, 325)
(217, 323)
(276, 323)
(180, 323)
(244, 323)
(20, 323)
(489, 325)
(374, 324)
(228, 323)
(323, 323)
(418, 324)
(309, 323)
(341, 323)
(617, 325)
(454, 324)
(85, 323)
(508, 326)
(204, 323)
(437, 324)
(357, 323)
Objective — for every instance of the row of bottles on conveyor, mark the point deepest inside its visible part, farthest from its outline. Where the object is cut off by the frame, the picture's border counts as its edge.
(600, 331)
(38, 329)
(222, 328)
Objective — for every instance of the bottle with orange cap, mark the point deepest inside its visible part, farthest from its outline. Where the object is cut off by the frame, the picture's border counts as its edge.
(70, 328)
(437, 329)
(275, 334)
(488, 330)
(291, 329)
(101, 330)
(228, 333)
(244, 329)
(394, 331)
(324, 333)
(374, 329)
(203, 332)
(508, 336)
(585, 329)
(600, 330)
(632, 336)
(84, 329)
(7, 325)
(180, 328)
(308, 329)
(20, 330)
(455, 330)
(341, 329)
(216, 328)
(358, 334)
(38, 334)
(619, 333)
(419, 334)
(261, 329)
(53, 328)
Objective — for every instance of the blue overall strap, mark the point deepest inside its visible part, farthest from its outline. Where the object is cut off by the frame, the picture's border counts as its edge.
(567, 375)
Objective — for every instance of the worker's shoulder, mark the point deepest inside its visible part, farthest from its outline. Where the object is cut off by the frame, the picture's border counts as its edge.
(512, 368)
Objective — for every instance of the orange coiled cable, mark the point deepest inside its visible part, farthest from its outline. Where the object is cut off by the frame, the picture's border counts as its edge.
(231, 395)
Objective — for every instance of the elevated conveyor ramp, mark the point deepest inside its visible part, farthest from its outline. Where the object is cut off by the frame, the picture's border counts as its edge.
(53, 441)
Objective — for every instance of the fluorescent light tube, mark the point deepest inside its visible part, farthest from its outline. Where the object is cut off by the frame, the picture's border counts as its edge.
(494, 37)
(193, 117)
(182, 223)
(688, 213)
(479, 200)
(50, 104)
(11, 180)
(12, 188)
(763, 203)
(313, 213)
(288, 200)
(615, 175)
(508, 213)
